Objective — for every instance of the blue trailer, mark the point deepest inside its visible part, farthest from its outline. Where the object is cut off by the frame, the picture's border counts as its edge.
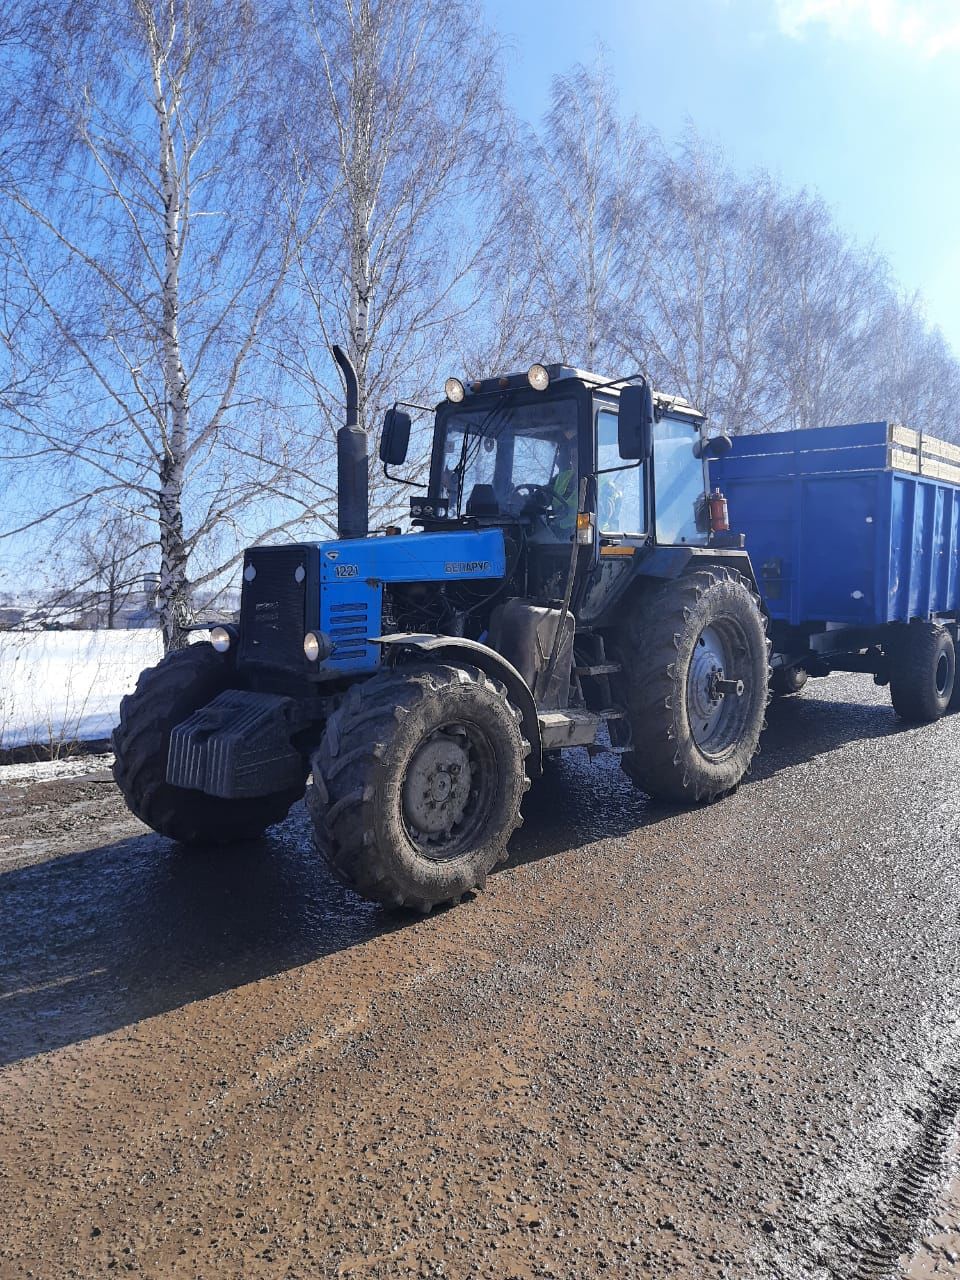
(854, 536)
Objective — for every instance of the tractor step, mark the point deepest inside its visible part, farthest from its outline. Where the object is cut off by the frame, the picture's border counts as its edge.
(574, 728)
(599, 669)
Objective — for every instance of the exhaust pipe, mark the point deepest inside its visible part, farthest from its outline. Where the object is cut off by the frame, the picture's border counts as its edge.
(352, 464)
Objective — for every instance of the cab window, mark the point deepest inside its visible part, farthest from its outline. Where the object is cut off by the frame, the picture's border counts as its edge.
(620, 497)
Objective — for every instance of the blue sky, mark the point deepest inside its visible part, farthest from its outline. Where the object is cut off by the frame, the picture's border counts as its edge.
(859, 99)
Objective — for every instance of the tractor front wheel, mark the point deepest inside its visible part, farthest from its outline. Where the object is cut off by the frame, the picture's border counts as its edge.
(167, 694)
(696, 669)
(417, 784)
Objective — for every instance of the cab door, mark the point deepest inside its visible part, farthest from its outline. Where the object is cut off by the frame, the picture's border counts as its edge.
(621, 496)
(678, 483)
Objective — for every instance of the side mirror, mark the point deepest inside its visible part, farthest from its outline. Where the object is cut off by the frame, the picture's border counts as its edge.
(395, 437)
(635, 422)
(715, 447)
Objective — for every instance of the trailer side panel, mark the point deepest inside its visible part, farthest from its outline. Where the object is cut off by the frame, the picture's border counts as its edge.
(838, 534)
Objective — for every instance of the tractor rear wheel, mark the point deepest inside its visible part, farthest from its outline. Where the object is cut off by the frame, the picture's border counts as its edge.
(166, 694)
(417, 784)
(923, 666)
(696, 672)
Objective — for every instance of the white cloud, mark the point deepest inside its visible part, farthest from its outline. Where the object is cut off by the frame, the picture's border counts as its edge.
(929, 27)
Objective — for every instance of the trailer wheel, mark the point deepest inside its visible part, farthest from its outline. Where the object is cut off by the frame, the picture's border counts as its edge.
(417, 784)
(923, 665)
(166, 694)
(786, 681)
(688, 648)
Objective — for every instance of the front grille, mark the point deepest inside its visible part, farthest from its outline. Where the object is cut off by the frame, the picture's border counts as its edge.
(349, 630)
(278, 586)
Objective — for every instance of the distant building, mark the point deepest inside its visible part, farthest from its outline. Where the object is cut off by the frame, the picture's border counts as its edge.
(135, 610)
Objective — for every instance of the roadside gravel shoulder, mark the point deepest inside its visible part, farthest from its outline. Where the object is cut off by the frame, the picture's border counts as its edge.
(54, 806)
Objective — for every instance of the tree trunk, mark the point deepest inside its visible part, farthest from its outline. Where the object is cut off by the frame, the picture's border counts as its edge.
(112, 593)
(173, 592)
(360, 297)
(173, 602)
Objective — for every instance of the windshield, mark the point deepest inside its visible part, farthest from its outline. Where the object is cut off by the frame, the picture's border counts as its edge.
(520, 457)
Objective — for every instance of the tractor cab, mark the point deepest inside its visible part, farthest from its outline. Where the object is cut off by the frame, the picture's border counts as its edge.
(552, 456)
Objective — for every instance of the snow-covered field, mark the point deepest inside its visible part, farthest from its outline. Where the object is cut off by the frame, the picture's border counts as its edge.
(58, 687)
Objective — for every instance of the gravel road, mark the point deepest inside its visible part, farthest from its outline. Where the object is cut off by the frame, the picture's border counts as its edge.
(711, 1043)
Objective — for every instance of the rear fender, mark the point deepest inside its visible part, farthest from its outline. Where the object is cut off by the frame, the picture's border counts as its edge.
(671, 562)
(404, 645)
(658, 564)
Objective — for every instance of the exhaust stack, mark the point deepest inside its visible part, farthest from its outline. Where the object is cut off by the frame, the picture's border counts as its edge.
(352, 465)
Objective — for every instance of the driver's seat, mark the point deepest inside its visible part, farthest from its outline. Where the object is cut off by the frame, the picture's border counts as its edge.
(483, 501)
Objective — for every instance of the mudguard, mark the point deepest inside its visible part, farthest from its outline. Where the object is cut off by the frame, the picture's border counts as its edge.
(604, 602)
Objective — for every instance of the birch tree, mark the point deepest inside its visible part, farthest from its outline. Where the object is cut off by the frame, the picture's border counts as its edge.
(627, 253)
(682, 282)
(405, 124)
(917, 378)
(753, 305)
(822, 345)
(701, 283)
(572, 200)
(153, 244)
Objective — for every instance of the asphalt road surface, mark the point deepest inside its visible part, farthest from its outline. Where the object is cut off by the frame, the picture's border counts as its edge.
(721, 1042)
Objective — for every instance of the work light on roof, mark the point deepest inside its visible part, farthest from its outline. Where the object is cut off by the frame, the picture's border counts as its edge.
(453, 390)
(538, 377)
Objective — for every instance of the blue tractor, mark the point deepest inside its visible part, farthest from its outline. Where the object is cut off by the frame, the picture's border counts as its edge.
(570, 582)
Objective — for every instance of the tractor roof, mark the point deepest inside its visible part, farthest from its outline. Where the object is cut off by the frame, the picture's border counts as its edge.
(561, 372)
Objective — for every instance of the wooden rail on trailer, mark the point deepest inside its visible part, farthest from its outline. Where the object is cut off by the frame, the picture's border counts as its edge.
(922, 455)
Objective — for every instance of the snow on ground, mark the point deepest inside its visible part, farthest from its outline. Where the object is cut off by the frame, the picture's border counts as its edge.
(58, 687)
(45, 770)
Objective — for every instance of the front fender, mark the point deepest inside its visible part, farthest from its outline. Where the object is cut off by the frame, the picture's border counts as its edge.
(456, 648)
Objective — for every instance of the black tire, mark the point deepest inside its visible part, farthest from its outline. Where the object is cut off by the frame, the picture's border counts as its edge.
(393, 754)
(786, 681)
(166, 694)
(923, 664)
(690, 745)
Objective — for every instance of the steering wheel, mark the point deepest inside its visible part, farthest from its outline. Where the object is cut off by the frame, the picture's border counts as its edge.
(538, 497)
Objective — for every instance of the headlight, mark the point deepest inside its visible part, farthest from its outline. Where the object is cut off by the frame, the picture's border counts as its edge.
(222, 638)
(453, 390)
(316, 645)
(538, 377)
